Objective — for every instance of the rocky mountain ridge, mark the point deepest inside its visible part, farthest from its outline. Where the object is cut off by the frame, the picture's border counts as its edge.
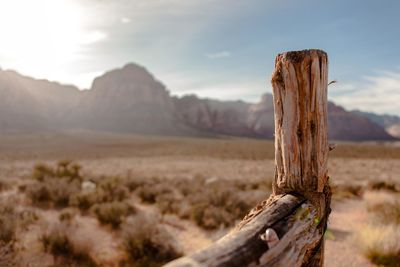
(391, 123)
(131, 100)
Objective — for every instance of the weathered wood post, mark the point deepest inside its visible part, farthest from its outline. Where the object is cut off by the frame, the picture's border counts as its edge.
(288, 228)
(300, 82)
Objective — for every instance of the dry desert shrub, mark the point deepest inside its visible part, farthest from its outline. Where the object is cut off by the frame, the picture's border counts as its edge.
(112, 189)
(387, 212)
(107, 189)
(384, 185)
(379, 239)
(356, 190)
(113, 213)
(380, 244)
(52, 192)
(63, 185)
(67, 215)
(63, 169)
(54, 185)
(8, 223)
(347, 191)
(219, 206)
(25, 218)
(4, 185)
(133, 183)
(7, 255)
(384, 208)
(12, 223)
(66, 250)
(13, 220)
(148, 189)
(147, 242)
(210, 202)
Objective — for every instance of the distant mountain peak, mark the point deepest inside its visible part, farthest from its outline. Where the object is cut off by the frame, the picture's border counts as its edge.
(266, 97)
(133, 70)
(131, 77)
(133, 66)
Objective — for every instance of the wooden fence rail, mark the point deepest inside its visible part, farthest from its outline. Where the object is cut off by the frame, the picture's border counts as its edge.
(287, 229)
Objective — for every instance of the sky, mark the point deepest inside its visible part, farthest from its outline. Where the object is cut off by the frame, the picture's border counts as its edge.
(222, 49)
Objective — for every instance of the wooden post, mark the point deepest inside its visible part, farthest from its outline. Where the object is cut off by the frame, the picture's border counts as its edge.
(287, 229)
(300, 82)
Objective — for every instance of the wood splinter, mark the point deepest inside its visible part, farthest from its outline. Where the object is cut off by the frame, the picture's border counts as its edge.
(332, 147)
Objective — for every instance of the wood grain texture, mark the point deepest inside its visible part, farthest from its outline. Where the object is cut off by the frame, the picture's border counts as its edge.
(299, 85)
(243, 245)
(292, 249)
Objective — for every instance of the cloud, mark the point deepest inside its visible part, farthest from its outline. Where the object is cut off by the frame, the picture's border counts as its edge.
(94, 37)
(221, 54)
(379, 93)
(249, 92)
(125, 20)
(205, 85)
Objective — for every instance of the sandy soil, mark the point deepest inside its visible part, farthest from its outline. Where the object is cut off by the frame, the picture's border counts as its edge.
(346, 219)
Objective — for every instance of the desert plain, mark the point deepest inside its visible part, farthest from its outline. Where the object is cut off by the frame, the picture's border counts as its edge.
(97, 199)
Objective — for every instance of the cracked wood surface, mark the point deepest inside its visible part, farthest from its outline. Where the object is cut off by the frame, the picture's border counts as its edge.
(243, 245)
(299, 85)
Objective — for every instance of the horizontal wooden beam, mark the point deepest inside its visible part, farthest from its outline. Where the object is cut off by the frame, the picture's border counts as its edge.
(284, 214)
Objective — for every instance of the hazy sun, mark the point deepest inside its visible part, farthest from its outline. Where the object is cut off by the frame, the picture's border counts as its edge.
(42, 36)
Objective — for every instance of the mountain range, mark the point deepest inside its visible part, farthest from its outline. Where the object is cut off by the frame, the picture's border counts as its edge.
(132, 100)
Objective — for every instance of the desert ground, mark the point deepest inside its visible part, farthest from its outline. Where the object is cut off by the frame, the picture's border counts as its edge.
(84, 199)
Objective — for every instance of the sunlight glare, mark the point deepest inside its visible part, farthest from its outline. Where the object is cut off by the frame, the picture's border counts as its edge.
(42, 37)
